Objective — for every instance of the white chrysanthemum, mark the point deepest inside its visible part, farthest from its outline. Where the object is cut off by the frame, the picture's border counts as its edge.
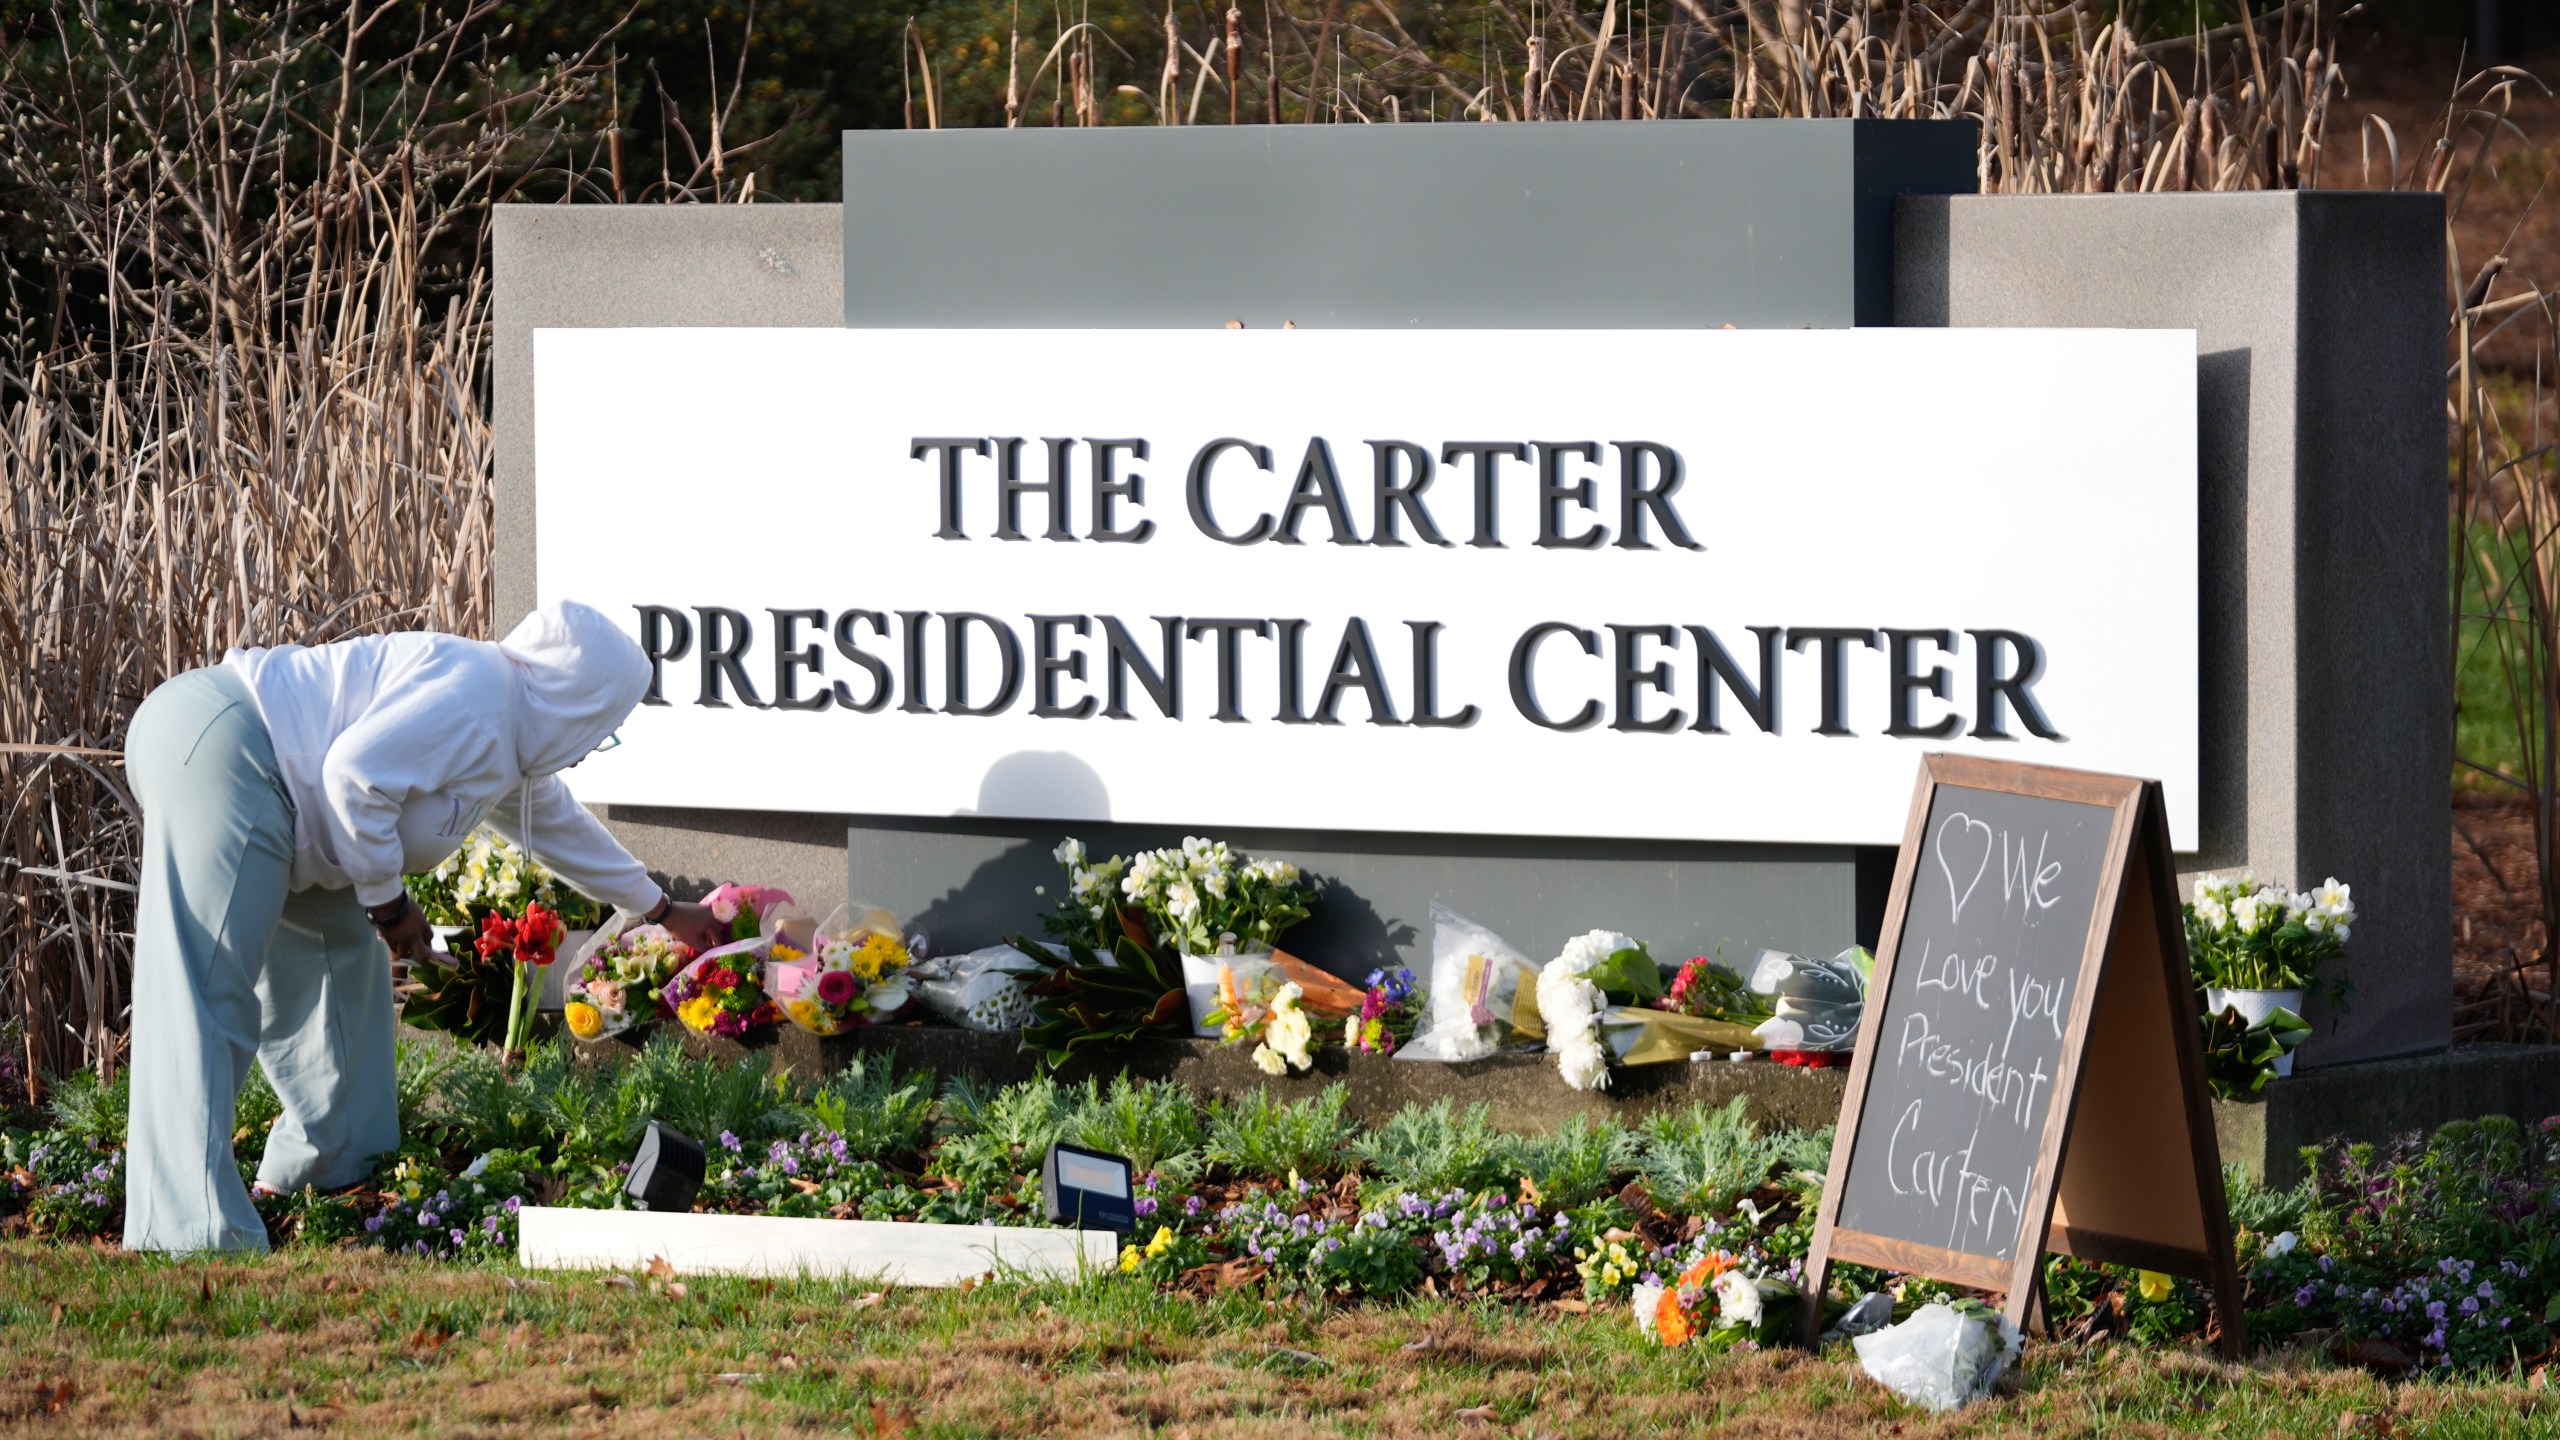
(1585, 1063)
(1593, 946)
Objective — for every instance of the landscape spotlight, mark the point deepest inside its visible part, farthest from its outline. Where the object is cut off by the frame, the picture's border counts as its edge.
(1088, 1190)
(667, 1171)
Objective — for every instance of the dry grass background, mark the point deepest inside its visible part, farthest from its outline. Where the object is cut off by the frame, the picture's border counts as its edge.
(271, 423)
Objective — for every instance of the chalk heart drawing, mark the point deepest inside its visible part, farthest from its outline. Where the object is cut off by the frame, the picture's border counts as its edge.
(1972, 829)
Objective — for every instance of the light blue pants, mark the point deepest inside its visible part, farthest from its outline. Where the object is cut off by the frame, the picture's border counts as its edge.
(228, 963)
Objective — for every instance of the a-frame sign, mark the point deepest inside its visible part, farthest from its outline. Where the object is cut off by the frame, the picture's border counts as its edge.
(2029, 1075)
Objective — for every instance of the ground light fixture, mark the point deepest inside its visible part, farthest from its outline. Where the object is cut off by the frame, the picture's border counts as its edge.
(1088, 1190)
(667, 1172)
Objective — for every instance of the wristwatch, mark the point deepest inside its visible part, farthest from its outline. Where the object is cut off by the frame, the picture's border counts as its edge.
(666, 902)
(398, 911)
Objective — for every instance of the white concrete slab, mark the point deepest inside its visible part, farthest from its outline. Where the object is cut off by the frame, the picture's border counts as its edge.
(886, 1252)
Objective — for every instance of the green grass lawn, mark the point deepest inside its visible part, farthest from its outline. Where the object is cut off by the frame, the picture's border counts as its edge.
(361, 1343)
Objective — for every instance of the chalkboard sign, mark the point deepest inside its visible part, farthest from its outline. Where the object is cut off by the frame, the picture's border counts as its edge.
(2028, 1074)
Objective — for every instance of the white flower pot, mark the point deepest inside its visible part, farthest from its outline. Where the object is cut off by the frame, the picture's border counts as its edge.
(1200, 982)
(2255, 1006)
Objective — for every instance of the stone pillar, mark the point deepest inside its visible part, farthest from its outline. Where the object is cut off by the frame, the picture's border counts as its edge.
(2319, 320)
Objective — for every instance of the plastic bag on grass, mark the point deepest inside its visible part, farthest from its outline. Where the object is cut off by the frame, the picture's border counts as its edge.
(1940, 1358)
(1479, 984)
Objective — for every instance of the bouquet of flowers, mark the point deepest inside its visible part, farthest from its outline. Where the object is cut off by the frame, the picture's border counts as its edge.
(622, 976)
(1818, 1005)
(855, 975)
(1720, 1295)
(745, 908)
(501, 917)
(2245, 934)
(1705, 989)
(1390, 1011)
(720, 993)
(1279, 1026)
(1596, 967)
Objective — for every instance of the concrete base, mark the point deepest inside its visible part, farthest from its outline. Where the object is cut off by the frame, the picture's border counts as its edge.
(2384, 1099)
(2378, 1101)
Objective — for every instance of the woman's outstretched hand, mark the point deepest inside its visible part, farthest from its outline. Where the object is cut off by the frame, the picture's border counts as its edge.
(695, 926)
(409, 938)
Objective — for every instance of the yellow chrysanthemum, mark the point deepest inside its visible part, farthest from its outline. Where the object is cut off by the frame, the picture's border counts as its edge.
(785, 952)
(699, 1012)
(585, 1021)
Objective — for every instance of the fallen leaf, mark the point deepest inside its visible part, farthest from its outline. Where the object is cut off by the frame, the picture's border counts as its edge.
(2379, 1356)
(659, 1269)
(865, 1302)
(1425, 1345)
(1480, 1414)
(887, 1424)
(737, 1377)
(208, 1287)
(57, 1314)
(1573, 1307)
(515, 1283)
(787, 1363)
(53, 1396)
(675, 1290)
(619, 1282)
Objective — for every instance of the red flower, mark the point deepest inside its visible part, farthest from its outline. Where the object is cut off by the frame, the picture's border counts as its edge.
(836, 987)
(719, 977)
(497, 935)
(538, 936)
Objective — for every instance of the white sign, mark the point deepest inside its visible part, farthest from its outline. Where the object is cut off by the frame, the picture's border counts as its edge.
(1725, 585)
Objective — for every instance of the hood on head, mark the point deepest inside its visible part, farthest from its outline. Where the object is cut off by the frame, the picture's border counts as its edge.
(578, 676)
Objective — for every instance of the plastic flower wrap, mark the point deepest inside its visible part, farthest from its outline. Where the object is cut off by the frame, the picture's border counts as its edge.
(1816, 1004)
(621, 976)
(1719, 1294)
(1482, 988)
(855, 974)
(722, 992)
(745, 908)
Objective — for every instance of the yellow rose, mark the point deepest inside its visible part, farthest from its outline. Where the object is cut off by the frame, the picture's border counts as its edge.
(585, 1021)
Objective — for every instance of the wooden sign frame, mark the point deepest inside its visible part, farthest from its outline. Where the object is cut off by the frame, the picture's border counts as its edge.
(2105, 1185)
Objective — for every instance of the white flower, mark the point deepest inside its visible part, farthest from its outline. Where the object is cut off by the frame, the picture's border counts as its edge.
(2334, 902)
(2283, 1244)
(1181, 900)
(1289, 1031)
(1585, 1064)
(2254, 910)
(2211, 910)
(1737, 1299)
(1268, 1061)
(1351, 1032)
(1070, 851)
(2208, 887)
(1648, 1299)
(1216, 885)
(1588, 949)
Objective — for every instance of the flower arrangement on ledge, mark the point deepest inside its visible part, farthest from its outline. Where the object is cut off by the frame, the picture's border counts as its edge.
(2258, 951)
(622, 982)
(503, 917)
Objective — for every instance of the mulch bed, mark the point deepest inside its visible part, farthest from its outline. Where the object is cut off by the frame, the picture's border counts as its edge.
(2501, 952)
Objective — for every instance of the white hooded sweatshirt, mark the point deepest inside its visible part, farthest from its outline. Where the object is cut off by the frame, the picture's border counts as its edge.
(394, 746)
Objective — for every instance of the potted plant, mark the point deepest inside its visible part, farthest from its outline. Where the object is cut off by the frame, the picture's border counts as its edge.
(1221, 912)
(2257, 949)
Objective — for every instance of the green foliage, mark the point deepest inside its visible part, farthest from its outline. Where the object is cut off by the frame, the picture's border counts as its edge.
(89, 1110)
(1429, 1151)
(1082, 1004)
(2262, 1211)
(1579, 1163)
(1261, 1138)
(878, 1111)
(1701, 1160)
(996, 1139)
(1153, 1124)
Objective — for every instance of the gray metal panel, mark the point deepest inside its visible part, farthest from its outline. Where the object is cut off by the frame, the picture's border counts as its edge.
(1654, 224)
(2320, 429)
(968, 883)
